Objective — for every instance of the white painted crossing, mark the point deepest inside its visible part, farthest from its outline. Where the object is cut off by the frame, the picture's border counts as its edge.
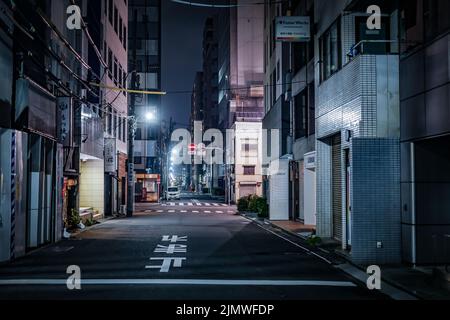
(189, 282)
(193, 204)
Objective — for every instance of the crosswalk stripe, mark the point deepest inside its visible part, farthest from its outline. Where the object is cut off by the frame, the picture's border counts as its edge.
(183, 211)
(215, 204)
(190, 204)
(224, 205)
(206, 204)
(171, 211)
(219, 211)
(195, 212)
(181, 204)
(207, 211)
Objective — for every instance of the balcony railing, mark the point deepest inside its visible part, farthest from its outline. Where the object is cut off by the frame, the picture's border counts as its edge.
(373, 47)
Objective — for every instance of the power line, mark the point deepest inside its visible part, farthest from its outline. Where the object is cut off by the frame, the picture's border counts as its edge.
(207, 5)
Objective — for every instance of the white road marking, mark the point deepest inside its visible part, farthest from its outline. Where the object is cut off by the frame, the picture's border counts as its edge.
(207, 204)
(166, 264)
(159, 211)
(181, 204)
(297, 245)
(171, 211)
(195, 282)
(215, 204)
(198, 204)
(230, 211)
(207, 211)
(219, 211)
(224, 205)
(190, 204)
(183, 211)
(195, 212)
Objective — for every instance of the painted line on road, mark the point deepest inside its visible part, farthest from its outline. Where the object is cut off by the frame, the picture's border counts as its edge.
(198, 282)
(297, 245)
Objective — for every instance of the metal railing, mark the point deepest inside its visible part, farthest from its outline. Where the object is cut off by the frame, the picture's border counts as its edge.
(359, 48)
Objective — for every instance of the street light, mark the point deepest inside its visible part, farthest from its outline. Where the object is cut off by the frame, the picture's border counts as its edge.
(132, 128)
(149, 116)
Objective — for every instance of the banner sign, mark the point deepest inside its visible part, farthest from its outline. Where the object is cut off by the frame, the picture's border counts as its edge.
(293, 29)
(110, 155)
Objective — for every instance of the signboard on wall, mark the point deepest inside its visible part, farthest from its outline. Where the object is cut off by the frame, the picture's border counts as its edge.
(110, 155)
(293, 29)
(65, 123)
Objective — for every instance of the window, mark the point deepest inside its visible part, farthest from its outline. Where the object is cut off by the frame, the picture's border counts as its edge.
(138, 135)
(125, 35)
(250, 146)
(137, 160)
(115, 70)
(116, 20)
(110, 63)
(110, 11)
(120, 29)
(300, 101)
(114, 124)
(124, 132)
(119, 128)
(330, 51)
(249, 170)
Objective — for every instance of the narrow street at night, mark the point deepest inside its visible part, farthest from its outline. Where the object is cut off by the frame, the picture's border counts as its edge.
(273, 156)
(227, 257)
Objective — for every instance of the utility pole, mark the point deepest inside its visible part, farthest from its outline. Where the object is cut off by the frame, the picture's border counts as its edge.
(132, 123)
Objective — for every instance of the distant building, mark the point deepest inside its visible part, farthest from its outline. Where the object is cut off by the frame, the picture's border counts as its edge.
(197, 115)
(144, 56)
(241, 94)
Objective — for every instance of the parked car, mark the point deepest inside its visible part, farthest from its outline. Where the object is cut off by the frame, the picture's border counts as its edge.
(173, 193)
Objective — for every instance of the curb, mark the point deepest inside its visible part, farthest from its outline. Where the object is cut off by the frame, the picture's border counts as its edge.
(393, 290)
(80, 231)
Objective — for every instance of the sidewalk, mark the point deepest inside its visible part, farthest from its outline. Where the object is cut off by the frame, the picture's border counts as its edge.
(421, 283)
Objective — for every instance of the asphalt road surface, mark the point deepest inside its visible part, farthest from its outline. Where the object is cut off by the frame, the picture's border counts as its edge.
(180, 250)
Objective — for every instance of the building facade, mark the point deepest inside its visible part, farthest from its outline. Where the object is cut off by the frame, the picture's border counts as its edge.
(358, 131)
(144, 57)
(241, 94)
(290, 109)
(425, 129)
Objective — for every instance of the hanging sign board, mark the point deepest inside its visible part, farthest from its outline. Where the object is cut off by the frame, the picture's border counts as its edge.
(293, 29)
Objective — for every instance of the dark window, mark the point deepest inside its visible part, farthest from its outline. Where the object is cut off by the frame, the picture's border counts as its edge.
(300, 114)
(110, 11)
(249, 170)
(330, 51)
(116, 20)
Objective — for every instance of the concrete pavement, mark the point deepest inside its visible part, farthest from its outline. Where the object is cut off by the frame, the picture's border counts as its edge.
(179, 251)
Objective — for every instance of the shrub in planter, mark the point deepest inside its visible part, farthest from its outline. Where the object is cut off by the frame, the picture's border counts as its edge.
(73, 220)
(262, 208)
(242, 204)
(253, 203)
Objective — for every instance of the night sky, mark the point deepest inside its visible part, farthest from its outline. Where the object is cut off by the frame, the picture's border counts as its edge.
(182, 34)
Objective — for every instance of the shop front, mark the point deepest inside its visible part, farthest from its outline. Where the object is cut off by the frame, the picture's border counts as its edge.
(147, 187)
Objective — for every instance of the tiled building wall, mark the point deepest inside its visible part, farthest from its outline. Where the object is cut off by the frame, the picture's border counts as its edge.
(376, 236)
